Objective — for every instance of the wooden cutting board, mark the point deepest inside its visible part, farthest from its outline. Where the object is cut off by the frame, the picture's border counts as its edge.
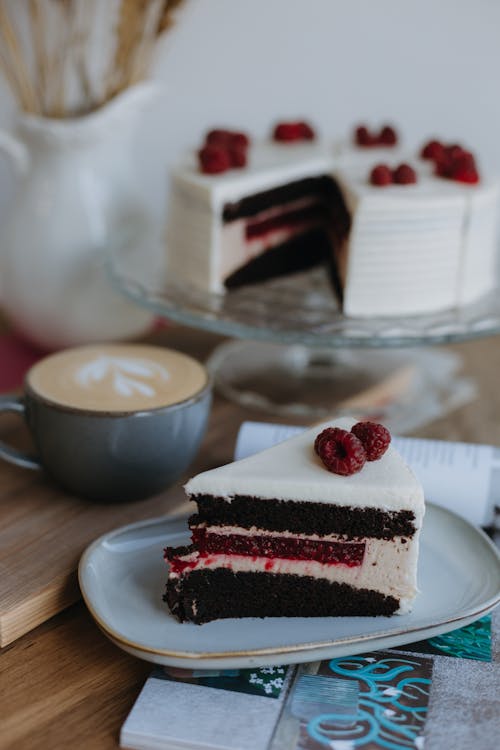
(44, 531)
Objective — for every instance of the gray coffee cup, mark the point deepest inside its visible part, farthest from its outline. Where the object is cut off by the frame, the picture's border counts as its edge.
(110, 455)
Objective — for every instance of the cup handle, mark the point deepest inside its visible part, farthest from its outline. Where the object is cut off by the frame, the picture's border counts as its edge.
(12, 455)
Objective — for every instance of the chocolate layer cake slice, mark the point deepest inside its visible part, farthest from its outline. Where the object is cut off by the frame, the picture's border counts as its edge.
(278, 534)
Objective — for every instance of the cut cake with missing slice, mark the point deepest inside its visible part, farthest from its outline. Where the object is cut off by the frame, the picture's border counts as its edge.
(277, 534)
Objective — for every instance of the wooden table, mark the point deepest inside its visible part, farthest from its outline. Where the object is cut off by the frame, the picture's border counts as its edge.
(65, 685)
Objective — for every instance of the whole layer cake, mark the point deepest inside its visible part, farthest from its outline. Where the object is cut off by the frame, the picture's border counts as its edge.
(280, 534)
(423, 242)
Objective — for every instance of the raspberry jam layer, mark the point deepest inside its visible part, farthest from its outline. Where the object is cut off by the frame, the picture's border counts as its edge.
(178, 565)
(315, 214)
(328, 552)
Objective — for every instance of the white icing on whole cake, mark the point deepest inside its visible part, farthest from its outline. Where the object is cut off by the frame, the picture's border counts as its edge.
(269, 165)
(416, 248)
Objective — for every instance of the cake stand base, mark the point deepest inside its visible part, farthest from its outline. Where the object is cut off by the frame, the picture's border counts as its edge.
(311, 383)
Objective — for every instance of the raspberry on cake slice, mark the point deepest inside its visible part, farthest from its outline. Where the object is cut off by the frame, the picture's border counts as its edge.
(324, 524)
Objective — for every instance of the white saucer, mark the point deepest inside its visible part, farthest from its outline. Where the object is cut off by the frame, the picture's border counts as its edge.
(122, 577)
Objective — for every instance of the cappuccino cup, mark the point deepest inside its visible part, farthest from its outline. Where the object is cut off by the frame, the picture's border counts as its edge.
(112, 422)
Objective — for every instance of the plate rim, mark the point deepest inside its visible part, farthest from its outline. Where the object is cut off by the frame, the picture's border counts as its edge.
(321, 651)
(190, 656)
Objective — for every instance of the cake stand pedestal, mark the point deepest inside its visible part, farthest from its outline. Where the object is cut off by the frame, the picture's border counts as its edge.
(305, 383)
(296, 355)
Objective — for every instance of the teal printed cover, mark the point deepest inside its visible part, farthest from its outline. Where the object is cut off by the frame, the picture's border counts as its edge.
(373, 701)
(471, 642)
(266, 681)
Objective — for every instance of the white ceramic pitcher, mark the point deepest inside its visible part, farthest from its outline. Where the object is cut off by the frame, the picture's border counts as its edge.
(76, 195)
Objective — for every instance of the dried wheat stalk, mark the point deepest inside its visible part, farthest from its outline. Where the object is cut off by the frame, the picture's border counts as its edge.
(38, 33)
(80, 46)
(52, 73)
(128, 34)
(18, 74)
(167, 15)
(144, 50)
(65, 30)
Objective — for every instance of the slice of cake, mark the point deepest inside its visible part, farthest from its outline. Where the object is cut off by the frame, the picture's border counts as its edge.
(315, 526)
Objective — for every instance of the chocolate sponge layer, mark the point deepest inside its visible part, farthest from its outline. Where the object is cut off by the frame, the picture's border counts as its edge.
(301, 517)
(205, 595)
(322, 188)
(299, 253)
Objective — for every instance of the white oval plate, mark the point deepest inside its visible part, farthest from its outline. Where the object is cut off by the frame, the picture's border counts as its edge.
(122, 577)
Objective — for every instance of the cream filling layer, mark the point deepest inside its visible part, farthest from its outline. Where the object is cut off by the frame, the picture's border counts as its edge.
(389, 567)
(254, 530)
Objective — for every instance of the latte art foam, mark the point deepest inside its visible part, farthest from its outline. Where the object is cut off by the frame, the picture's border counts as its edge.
(126, 376)
(117, 378)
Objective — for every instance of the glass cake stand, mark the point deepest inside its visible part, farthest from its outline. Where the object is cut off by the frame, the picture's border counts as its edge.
(296, 354)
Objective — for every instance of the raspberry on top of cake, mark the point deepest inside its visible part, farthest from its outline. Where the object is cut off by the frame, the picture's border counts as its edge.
(324, 524)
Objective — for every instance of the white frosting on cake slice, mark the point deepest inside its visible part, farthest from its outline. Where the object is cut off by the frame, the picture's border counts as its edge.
(293, 471)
